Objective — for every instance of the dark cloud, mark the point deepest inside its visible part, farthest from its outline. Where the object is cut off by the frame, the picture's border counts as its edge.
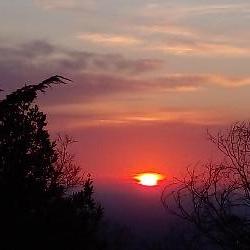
(36, 60)
(26, 51)
(90, 86)
(94, 75)
(119, 63)
(78, 60)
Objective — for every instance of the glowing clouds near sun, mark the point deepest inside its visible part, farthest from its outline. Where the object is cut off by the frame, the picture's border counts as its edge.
(149, 179)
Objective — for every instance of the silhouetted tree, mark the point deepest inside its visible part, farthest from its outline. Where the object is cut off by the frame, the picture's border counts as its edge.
(36, 212)
(216, 196)
(67, 173)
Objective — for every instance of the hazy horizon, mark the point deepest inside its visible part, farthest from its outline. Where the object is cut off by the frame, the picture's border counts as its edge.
(150, 77)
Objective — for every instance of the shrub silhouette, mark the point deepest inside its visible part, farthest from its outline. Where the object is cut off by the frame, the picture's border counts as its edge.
(36, 210)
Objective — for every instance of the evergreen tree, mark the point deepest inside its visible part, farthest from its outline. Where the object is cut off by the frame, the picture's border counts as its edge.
(35, 211)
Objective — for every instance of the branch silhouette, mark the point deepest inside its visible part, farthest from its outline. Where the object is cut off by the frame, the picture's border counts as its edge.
(215, 197)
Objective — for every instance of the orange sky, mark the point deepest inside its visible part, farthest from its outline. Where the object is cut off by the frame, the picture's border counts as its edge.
(149, 76)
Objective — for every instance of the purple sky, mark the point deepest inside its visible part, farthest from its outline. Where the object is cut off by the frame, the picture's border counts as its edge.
(150, 76)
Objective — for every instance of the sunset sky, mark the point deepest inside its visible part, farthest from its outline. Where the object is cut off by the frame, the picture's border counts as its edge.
(149, 77)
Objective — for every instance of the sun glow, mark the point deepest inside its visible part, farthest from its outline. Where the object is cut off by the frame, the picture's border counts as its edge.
(149, 179)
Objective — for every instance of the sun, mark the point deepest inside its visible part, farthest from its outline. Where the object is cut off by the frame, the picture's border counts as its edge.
(149, 179)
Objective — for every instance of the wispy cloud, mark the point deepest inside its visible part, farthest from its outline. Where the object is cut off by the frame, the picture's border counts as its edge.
(217, 8)
(181, 29)
(102, 73)
(102, 87)
(131, 76)
(66, 4)
(166, 28)
(41, 59)
(109, 39)
(181, 10)
(173, 39)
(109, 115)
(181, 40)
(200, 48)
(108, 88)
(204, 81)
(56, 4)
(230, 81)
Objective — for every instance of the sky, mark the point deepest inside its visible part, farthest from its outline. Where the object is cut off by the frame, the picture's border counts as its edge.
(149, 78)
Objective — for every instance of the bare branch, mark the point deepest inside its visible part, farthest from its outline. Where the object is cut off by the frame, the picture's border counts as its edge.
(67, 172)
(214, 197)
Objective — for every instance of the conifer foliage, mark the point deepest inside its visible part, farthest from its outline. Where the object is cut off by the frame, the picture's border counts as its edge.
(37, 211)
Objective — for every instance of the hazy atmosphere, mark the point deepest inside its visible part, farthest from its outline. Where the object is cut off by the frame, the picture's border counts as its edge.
(149, 79)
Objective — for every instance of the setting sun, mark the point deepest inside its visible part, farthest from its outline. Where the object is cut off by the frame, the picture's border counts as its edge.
(149, 179)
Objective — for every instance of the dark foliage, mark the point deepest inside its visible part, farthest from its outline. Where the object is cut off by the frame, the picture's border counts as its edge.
(36, 211)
